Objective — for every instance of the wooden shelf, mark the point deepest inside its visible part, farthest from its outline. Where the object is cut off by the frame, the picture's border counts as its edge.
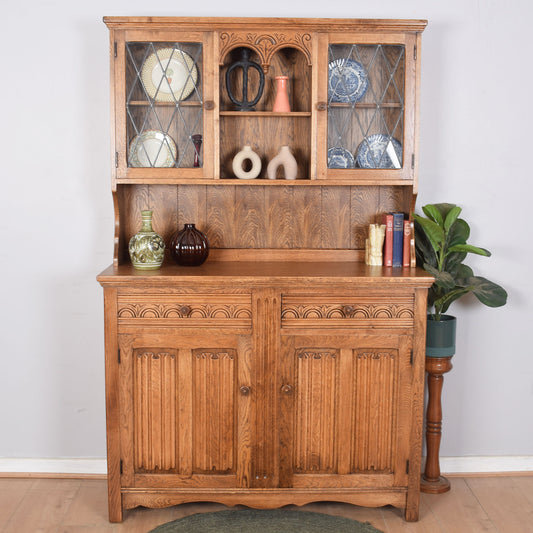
(182, 103)
(262, 182)
(390, 105)
(264, 114)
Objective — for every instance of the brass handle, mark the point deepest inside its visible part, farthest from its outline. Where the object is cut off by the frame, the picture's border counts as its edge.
(286, 389)
(209, 105)
(245, 390)
(348, 310)
(185, 310)
(321, 106)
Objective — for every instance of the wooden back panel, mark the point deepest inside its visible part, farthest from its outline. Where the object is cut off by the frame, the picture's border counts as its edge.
(303, 217)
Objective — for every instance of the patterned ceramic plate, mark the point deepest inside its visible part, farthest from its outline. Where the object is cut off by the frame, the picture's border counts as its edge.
(347, 81)
(169, 75)
(153, 148)
(340, 158)
(380, 151)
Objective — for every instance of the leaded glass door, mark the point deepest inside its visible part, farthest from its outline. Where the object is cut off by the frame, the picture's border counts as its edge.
(370, 111)
(163, 106)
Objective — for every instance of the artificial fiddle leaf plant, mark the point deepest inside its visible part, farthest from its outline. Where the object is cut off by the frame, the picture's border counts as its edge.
(441, 248)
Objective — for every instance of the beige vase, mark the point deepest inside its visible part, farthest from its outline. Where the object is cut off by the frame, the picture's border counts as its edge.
(238, 164)
(285, 159)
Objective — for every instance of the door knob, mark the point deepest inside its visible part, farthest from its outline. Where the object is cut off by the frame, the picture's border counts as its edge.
(245, 390)
(286, 389)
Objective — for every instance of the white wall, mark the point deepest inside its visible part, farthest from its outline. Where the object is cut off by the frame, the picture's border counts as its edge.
(58, 224)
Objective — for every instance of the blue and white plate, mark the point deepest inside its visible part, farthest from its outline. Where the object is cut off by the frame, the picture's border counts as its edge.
(379, 151)
(340, 158)
(347, 81)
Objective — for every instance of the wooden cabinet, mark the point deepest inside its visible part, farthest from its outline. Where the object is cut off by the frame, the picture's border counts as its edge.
(283, 370)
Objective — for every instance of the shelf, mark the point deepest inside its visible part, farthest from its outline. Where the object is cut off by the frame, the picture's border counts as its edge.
(264, 114)
(146, 103)
(262, 182)
(388, 105)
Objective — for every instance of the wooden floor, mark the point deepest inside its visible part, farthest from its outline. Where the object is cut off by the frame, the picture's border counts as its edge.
(475, 504)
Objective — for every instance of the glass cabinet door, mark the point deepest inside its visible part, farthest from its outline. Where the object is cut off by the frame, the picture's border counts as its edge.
(164, 106)
(366, 107)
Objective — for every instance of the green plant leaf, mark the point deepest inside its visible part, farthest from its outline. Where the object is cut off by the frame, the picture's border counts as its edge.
(443, 208)
(442, 304)
(433, 214)
(451, 217)
(424, 250)
(432, 230)
(488, 292)
(469, 249)
(458, 233)
(442, 279)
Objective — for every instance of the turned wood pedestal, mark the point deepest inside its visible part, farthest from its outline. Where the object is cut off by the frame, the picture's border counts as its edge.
(432, 482)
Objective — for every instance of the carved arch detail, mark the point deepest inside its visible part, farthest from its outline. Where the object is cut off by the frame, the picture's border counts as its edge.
(265, 44)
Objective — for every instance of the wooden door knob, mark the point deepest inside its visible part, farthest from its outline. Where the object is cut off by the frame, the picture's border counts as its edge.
(321, 106)
(286, 389)
(185, 310)
(348, 310)
(245, 390)
(209, 105)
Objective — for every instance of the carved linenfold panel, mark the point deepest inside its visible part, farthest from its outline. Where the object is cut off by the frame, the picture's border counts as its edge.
(315, 411)
(375, 355)
(178, 310)
(374, 414)
(265, 44)
(203, 354)
(316, 353)
(214, 372)
(154, 417)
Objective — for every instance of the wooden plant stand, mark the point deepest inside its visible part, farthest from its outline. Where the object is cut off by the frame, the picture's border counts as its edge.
(432, 482)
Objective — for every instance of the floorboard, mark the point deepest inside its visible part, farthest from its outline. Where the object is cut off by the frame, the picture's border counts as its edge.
(502, 504)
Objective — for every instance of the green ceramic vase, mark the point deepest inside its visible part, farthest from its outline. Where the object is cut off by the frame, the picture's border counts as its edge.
(147, 248)
(440, 336)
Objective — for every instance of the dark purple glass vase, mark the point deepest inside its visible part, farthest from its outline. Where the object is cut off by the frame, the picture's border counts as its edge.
(189, 246)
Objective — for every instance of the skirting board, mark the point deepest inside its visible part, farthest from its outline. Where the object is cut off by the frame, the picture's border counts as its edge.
(97, 466)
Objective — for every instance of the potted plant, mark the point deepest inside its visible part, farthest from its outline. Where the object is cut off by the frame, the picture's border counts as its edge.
(441, 248)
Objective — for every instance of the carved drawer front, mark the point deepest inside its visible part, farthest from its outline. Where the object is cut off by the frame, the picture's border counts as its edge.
(232, 310)
(359, 311)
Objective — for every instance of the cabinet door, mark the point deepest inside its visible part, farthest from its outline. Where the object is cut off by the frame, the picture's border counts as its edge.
(184, 408)
(345, 410)
(163, 104)
(368, 123)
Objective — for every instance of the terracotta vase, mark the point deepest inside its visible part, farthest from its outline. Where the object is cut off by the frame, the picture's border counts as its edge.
(189, 246)
(285, 159)
(146, 248)
(281, 103)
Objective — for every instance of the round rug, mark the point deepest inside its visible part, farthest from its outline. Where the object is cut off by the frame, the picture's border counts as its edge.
(265, 521)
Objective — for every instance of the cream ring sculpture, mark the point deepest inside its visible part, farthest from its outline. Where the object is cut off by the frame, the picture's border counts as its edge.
(240, 158)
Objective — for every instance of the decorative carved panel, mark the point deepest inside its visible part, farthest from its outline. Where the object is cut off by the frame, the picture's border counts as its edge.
(265, 44)
(186, 310)
(374, 415)
(315, 411)
(301, 311)
(154, 393)
(214, 372)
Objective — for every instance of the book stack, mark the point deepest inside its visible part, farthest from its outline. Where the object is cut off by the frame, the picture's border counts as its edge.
(399, 245)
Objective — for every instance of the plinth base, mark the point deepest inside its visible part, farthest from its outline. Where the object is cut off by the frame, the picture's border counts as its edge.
(434, 487)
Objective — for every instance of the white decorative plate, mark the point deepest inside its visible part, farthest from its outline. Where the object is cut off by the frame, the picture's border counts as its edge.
(169, 75)
(153, 148)
(347, 81)
(380, 151)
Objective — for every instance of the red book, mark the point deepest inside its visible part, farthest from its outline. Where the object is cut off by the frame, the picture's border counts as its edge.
(407, 232)
(387, 246)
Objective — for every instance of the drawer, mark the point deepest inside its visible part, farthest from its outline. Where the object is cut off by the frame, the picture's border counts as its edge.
(233, 310)
(358, 310)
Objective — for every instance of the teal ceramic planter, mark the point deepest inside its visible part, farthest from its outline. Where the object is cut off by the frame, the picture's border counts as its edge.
(440, 336)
